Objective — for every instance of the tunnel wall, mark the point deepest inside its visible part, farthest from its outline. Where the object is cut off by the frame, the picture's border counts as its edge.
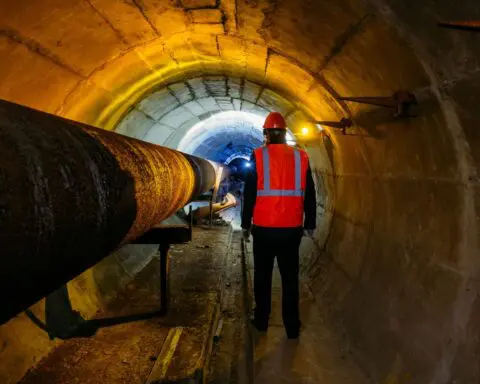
(398, 277)
(397, 273)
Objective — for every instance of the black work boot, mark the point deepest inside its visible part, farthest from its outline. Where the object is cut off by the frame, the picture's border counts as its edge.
(260, 327)
(293, 333)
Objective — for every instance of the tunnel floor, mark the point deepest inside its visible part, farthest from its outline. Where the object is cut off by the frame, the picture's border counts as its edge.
(316, 357)
(208, 297)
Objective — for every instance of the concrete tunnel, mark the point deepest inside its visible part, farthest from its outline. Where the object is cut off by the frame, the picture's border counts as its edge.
(394, 269)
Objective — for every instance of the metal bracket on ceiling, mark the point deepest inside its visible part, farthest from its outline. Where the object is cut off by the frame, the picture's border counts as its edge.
(464, 25)
(401, 101)
(343, 124)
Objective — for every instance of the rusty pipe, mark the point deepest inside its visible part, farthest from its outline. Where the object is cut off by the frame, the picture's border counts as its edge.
(70, 194)
(467, 25)
(203, 212)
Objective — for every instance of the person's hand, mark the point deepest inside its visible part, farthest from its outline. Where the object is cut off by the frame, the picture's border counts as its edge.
(308, 233)
(246, 235)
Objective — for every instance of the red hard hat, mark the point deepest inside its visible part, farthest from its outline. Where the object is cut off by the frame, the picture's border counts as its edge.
(275, 120)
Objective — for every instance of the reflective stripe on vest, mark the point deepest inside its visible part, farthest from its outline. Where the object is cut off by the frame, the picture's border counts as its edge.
(267, 191)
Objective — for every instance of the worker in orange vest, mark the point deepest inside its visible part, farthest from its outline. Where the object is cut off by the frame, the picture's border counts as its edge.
(279, 196)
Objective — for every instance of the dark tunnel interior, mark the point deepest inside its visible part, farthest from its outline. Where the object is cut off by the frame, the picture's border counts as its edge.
(380, 94)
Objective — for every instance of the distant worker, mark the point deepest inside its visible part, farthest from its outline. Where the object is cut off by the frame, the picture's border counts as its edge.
(280, 197)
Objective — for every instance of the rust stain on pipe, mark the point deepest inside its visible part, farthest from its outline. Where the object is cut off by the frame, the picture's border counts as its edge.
(164, 179)
(71, 194)
(468, 25)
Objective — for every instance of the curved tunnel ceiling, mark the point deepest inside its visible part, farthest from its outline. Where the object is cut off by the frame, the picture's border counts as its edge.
(206, 115)
(224, 136)
(403, 194)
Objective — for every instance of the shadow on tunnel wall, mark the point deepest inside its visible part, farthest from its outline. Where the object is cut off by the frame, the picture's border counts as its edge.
(63, 322)
(329, 147)
(373, 119)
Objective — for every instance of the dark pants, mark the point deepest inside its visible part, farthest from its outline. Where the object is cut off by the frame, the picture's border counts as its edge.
(282, 243)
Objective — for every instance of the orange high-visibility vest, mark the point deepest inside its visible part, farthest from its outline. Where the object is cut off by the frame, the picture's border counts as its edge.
(282, 178)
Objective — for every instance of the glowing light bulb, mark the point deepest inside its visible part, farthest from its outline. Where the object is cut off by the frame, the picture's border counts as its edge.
(305, 130)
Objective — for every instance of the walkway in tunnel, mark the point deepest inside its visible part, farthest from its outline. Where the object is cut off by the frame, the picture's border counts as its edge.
(206, 274)
(317, 357)
(131, 352)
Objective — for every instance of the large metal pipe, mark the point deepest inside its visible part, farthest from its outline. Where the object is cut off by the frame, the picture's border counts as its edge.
(202, 212)
(70, 194)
